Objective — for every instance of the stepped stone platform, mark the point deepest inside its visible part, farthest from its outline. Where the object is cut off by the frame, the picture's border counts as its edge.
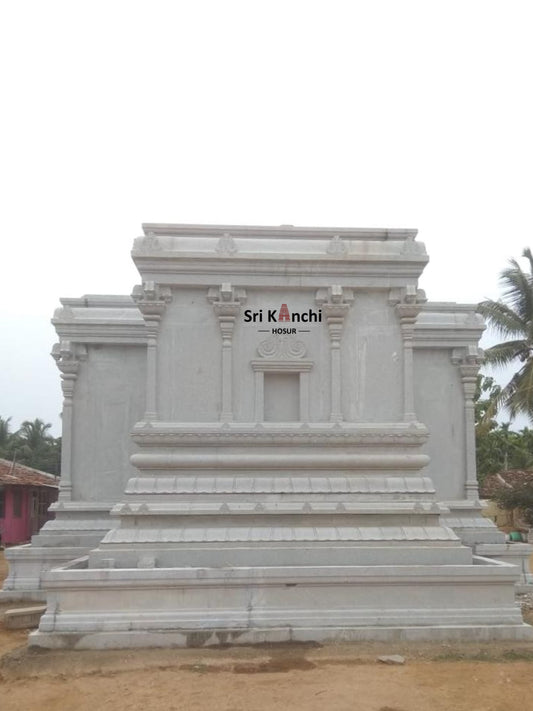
(217, 558)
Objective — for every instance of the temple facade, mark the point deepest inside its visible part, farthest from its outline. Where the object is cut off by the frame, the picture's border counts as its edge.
(271, 439)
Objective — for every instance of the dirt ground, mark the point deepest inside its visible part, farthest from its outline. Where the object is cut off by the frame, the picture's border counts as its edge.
(438, 677)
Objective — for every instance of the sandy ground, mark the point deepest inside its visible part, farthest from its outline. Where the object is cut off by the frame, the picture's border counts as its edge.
(443, 677)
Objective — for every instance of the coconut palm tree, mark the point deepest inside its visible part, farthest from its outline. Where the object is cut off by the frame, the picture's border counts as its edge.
(33, 442)
(5, 434)
(512, 318)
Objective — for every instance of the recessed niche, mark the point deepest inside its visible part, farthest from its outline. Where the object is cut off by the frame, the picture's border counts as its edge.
(282, 397)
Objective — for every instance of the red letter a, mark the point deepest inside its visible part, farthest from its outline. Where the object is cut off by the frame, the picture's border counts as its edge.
(284, 314)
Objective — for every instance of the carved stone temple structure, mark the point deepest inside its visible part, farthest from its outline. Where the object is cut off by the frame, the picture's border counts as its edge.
(272, 439)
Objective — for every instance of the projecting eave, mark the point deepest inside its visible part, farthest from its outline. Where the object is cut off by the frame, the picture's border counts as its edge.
(195, 254)
(277, 232)
(448, 325)
(100, 319)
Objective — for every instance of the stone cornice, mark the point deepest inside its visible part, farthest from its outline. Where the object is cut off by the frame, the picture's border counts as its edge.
(285, 231)
(94, 319)
(193, 254)
(447, 325)
(109, 334)
(272, 272)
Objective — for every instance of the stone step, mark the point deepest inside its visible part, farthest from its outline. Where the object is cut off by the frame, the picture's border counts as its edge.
(23, 617)
(197, 555)
(269, 533)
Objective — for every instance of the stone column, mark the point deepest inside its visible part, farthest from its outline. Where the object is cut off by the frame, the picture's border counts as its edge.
(469, 361)
(227, 304)
(151, 298)
(67, 357)
(408, 303)
(335, 302)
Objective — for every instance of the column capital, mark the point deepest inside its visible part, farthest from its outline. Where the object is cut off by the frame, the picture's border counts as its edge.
(407, 302)
(335, 299)
(226, 300)
(68, 357)
(467, 357)
(469, 360)
(152, 299)
(335, 302)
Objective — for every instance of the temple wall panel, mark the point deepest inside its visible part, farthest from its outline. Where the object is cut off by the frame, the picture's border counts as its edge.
(439, 405)
(108, 401)
(189, 361)
(372, 361)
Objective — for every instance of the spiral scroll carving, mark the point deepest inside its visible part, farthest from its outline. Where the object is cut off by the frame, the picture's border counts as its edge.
(281, 347)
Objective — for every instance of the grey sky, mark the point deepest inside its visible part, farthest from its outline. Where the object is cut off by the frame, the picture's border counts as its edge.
(370, 114)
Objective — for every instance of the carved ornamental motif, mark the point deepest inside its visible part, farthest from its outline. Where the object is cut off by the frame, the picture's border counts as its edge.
(337, 246)
(226, 246)
(150, 243)
(281, 348)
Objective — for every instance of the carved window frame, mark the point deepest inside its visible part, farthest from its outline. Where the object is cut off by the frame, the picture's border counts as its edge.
(281, 355)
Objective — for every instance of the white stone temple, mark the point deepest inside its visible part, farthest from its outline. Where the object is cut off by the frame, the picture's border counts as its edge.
(272, 439)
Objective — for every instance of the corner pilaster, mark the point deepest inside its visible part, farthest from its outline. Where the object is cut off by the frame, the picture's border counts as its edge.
(68, 357)
(408, 302)
(335, 303)
(469, 361)
(152, 299)
(227, 303)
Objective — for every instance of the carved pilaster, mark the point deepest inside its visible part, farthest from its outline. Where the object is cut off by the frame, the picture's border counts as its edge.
(408, 303)
(469, 361)
(227, 303)
(67, 357)
(152, 299)
(335, 302)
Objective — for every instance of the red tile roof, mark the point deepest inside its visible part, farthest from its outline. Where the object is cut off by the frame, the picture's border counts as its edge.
(514, 477)
(21, 475)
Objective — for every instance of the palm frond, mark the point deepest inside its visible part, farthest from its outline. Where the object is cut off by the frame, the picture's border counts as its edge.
(505, 353)
(518, 293)
(527, 255)
(502, 318)
(522, 400)
(517, 396)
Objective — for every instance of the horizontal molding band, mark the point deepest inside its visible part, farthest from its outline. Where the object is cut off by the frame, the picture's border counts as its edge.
(248, 460)
(250, 483)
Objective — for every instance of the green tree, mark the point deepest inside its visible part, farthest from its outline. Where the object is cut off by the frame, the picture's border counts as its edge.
(487, 390)
(34, 443)
(8, 439)
(5, 434)
(31, 445)
(512, 318)
(498, 448)
(516, 497)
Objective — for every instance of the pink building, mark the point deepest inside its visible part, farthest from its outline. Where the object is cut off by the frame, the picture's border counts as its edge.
(25, 495)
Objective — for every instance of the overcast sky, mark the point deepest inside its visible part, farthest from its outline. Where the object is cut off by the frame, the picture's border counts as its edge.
(361, 114)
